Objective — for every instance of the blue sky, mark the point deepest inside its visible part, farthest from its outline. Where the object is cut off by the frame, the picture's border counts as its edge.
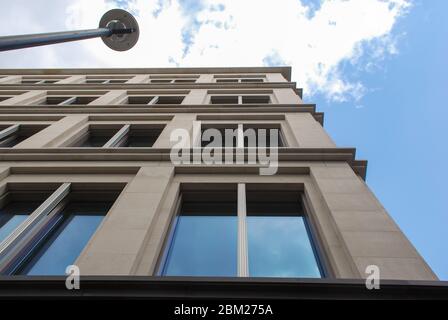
(377, 68)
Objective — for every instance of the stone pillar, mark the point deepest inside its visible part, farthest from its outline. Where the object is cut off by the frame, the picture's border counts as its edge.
(205, 78)
(196, 96)
(30, 97)
(55, 133)
(11, 80)
(118, 242)
(275, 77)
(368, 233)
(180, 121)
(141, 78)
(112, 97)
(287, 96)
(73, 80)
(308, 132)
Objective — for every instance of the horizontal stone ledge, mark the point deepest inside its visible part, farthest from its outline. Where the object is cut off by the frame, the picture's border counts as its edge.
(121, 86)
(149, 150)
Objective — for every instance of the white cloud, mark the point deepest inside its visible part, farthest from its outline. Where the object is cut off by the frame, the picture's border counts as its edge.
(248, 33)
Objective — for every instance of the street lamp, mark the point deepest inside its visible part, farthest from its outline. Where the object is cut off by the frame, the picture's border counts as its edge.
(118, 29)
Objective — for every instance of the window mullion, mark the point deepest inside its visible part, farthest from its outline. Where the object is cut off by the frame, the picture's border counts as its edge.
(154, 100)
(20, 234)
(240, 136)
(117, 137)
(9, 131)
(67, 101)
(243, 256)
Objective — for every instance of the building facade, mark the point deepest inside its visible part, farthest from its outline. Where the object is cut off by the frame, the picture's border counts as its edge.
(87, 178)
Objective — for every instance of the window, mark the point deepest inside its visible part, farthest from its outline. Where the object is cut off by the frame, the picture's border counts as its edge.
(16, 206)
(170, 100)
(119, 136)
(155, 99)
(64, 100)
(31, 81)
(249, 80)
(141, 99)
(42, 80)
(161, 81)
(278, 240)
(256, 99)
(227, 80)
(240, 99)
(185, 81)
(273, 236)
(105, 80)
(62, 226)
(263, 136)
(96, 81)
(224, 100)
(164, 80)
(65, 238)
(12, 135)
(204, 235)
(253, 135)
(239, 78)
(95, 137)
(117, 81)
(3, 98)
(136, 137)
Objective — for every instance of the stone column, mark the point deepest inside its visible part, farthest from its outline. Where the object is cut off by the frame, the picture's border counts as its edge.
(368, 233)
(116, 245)
(308, 132)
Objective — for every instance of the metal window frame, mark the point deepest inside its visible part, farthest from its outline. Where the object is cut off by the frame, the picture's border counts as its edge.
(9, 131)
(116, 138)
(15, 242)
(242, 126)
(242, 238)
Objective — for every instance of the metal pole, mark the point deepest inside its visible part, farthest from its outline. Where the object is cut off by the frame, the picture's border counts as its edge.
(41, 39)
(117, 28)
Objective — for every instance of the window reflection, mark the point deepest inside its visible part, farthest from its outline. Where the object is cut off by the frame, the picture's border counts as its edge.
(203, 246)
(66, 238)
(280, 247)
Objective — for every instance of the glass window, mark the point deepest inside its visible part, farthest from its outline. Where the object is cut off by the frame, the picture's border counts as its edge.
(94, 138)
(280, 247)
(15, 137)
(203, 246)
(138, 138)
(278, 240)
(67, 235)
(13, 214)
(204, 235)
(204, 238)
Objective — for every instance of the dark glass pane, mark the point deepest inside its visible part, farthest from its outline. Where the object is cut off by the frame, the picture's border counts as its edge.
(11, 141)
(95, 141)
(280, 247)
(135, 141)
(203, 246)
(13, 214)
(65, 242)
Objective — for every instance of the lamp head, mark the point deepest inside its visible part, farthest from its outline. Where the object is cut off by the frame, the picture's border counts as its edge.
(118, 19)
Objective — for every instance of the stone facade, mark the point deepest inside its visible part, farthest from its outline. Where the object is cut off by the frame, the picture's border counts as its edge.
(351, 226)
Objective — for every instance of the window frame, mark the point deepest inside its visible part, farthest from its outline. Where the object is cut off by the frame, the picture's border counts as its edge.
(240, 96)
(242, 240)
(14, 131)
(117, 132)
(21, 243)
(243, 125)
